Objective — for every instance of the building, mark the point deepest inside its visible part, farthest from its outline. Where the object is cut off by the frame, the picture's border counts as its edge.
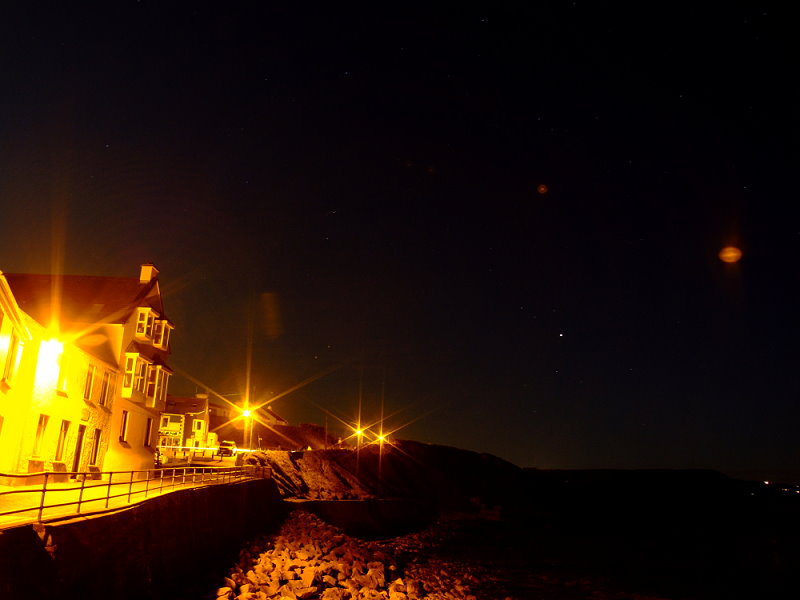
(87, 373)
(184, 423)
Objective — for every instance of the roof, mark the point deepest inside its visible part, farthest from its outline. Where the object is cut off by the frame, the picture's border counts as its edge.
(183, 405)
(83, 298)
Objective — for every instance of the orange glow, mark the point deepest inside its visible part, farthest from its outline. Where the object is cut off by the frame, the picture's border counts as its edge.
(49, 364)
(542, 188)
(730, 254)
(245, 413)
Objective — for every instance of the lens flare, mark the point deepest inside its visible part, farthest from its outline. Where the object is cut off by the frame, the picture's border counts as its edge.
(730, 254)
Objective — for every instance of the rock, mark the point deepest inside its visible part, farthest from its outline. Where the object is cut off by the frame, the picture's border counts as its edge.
(307, 578)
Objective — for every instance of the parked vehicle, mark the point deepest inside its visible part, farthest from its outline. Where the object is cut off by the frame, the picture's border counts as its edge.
(227, 448)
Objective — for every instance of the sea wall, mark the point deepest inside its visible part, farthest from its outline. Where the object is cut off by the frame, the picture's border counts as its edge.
(173, 546)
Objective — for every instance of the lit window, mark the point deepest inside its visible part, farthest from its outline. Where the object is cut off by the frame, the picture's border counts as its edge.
(164, 422)
(198, 425)
(107, 388)
(62, 440)
(41, 428)
(87, 389)
(61, 384)
(148, 431)
(145, 320)
(141, 321)
(161, 331)
(130, 367)
(12, 357)
(162, 386)
(123, 430)
(152, 380)
(140, 375)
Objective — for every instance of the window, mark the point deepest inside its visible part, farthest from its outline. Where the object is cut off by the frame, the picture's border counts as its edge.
(148, 432)
(152, 380)
(164, 422)
(140, 375)
(161, 394)
(107, 388)
(161, 330)
(123, 430)
(141, 321)
(41, 428)
(87, 388)
(62, 440)
(158, 333)
(198, 425)
(95, 447)
(12, 357)
(130, 368)
(61, 384)
(144, 323)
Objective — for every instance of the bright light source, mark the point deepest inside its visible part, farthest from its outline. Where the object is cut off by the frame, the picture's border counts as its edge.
(359, 432)
(245, 413)
(49, 364)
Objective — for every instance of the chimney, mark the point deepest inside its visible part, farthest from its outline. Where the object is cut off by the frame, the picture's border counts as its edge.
(148, 273)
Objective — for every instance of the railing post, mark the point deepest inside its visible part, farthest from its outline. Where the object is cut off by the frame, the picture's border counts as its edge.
(80, 494)
(147, 481)
(108, 489)
(130, 487)
(44, 491)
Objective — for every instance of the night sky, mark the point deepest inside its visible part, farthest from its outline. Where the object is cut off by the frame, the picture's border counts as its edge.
(360, 190)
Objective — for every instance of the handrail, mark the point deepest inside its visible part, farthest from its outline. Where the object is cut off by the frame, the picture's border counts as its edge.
(81, 489)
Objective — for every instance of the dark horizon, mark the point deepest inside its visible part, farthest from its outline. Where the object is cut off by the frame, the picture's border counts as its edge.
(361, 191)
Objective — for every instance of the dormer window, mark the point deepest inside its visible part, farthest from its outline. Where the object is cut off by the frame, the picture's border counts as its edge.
(144, 323)
(161, 330)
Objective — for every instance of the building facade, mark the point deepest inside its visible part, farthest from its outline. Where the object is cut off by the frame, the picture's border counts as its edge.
(85, 359)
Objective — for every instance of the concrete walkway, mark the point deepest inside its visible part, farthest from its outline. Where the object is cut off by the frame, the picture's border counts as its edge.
(90, 496)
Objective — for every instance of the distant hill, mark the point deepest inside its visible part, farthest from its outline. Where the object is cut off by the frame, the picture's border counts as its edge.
(446, 476)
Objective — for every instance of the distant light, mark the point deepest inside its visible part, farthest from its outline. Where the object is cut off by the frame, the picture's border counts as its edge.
(542, 188)
(245, 413)
(359, 432)
(730, 254)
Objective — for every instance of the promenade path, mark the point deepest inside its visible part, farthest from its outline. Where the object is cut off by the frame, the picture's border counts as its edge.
(20, 505)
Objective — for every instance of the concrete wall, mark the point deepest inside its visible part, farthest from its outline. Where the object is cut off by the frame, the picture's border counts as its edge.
(176, 546)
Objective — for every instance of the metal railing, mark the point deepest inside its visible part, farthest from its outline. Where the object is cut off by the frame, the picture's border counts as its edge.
(59, 494)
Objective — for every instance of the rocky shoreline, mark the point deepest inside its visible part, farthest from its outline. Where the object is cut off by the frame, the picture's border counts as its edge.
(309, 558)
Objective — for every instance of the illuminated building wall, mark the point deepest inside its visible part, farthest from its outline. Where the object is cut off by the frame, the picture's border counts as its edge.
(51, 401)
(16, 378)
(84, 395)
